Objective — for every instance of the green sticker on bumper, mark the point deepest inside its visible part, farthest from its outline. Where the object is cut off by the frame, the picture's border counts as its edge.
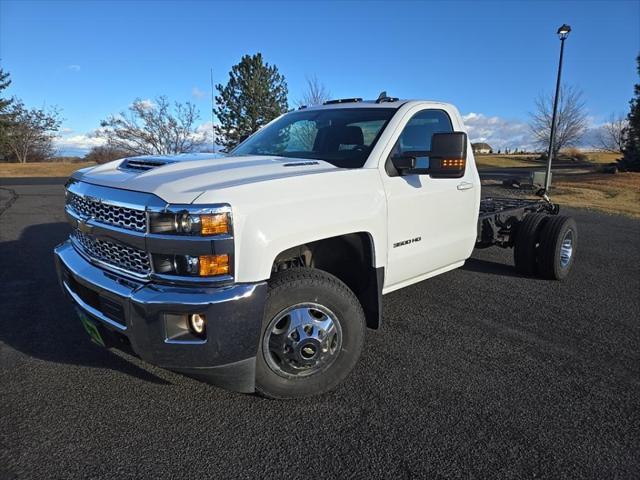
(91, 328)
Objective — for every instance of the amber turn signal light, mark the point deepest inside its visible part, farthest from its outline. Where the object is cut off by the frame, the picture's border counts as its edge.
(210, 265)
(453, 163)
(215, 224)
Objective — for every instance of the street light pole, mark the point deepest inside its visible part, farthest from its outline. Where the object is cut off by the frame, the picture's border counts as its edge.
(563, 33)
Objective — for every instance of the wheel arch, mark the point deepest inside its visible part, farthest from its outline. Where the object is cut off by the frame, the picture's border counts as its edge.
(350, 257)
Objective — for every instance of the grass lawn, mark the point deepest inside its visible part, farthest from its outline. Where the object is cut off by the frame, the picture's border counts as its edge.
(40, 169)
(506, 161)
(608, 193)
(603, 157)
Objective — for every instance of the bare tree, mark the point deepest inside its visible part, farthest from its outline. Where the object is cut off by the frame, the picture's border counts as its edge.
(104, 154)
(153, 128)
(31, 131)
(315, 93)
(613, 134)
(571, 121)
(304, 133)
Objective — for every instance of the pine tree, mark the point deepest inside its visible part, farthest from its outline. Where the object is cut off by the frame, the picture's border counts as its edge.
(255, 94)
(5, 114)
(631, 159)
(5, 103)
(5, 81)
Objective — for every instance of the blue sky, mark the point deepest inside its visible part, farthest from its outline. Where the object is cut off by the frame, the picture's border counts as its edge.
(491, 59)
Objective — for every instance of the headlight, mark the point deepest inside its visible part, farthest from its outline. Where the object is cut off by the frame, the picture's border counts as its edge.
(188, 223)
(193, 221)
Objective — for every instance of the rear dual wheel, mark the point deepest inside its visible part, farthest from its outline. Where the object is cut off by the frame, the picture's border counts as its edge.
(558, 243)
(525, 251)
(545, 245)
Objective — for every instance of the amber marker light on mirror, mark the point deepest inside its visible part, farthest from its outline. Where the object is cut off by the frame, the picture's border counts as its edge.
(210, 265)
(453, 163)
(215, 224)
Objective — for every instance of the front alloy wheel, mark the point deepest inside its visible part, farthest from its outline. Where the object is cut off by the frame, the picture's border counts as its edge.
(303, 339)
(313, 330)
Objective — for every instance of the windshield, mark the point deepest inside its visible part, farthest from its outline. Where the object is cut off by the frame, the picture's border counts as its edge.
(343, 137)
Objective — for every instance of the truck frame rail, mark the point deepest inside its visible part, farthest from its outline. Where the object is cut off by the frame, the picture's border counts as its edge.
(499, 219)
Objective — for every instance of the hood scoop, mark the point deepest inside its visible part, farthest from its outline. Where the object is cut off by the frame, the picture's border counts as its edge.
(143, 164)
(300, 164)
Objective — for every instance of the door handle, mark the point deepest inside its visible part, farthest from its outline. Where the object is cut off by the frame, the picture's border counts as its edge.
(465, 185)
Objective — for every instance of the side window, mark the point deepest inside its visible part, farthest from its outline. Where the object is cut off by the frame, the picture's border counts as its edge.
(415, 139)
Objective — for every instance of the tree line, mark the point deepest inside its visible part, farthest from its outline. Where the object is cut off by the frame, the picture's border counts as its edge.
(256, 93)
(25, 133)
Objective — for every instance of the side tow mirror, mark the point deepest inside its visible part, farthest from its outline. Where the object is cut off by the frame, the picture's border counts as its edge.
(403, 164)
(448, 156)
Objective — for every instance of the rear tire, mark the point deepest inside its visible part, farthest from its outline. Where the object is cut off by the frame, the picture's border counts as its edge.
(527, 242)
(312, 334)
(558, 243)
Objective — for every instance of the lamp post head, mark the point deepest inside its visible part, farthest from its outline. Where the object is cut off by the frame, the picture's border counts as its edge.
(563, 31)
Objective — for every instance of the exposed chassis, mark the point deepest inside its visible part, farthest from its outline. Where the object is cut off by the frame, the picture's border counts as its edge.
(499, 219)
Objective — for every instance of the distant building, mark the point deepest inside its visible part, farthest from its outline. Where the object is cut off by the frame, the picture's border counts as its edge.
(481, 148)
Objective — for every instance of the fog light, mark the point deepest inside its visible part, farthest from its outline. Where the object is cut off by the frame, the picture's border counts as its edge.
(197, 324)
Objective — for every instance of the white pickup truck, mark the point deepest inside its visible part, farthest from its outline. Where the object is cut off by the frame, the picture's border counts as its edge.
(259, 271)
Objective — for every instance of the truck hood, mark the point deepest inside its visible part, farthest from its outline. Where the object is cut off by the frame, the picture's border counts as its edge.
(183, 178)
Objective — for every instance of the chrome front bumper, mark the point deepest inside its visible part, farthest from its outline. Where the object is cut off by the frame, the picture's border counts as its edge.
(139, 311)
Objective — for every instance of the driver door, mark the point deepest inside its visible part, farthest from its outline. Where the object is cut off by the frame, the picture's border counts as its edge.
(431, 221)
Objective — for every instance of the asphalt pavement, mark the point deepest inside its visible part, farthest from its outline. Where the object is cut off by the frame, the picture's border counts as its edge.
(477, 373)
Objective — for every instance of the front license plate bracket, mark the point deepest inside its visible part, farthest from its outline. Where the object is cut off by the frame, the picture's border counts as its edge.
(91, 328)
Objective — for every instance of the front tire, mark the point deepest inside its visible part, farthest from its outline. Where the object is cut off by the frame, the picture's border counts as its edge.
(312, 334)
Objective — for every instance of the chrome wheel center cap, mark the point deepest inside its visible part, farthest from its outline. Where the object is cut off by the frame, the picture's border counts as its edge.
(308, 351)
(302, 340)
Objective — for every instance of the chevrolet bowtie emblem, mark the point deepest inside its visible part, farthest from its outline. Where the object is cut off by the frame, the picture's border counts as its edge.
(84, 227)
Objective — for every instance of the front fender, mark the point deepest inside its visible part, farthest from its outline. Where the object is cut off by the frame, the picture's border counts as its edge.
(275, 215)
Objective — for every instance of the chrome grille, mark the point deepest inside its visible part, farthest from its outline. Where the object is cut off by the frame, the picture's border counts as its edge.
(120, 256)
(128, 218)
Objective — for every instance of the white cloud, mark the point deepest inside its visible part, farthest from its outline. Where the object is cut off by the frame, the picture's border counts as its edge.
(197, 93)
(204, 133)
(147, 103)
(78, 144)
(73, 68)
(498, 132)
(69, 142)
(501, 133)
